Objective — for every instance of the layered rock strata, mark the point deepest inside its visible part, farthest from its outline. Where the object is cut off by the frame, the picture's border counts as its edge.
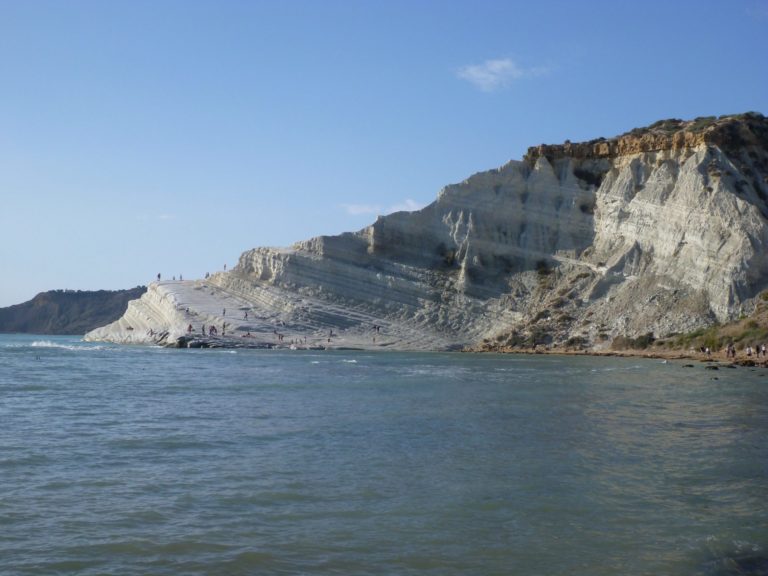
(661, 230)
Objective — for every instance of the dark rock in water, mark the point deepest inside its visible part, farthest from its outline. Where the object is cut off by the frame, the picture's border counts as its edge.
(711, 367)
(688, 366)
(741, 565)
(754, 565)
(194, 341)
(191, 342)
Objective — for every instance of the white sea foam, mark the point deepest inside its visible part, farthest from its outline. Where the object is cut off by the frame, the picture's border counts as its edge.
(76, 347)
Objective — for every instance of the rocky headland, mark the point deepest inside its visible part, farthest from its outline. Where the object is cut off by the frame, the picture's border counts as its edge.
(67, 311)
(661, 231)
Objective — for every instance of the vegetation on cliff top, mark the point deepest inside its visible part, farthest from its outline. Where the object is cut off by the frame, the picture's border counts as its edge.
(696, 126)
(728, 132)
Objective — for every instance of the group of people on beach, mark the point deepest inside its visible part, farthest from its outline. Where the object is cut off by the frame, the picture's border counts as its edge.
(758, 351)
(281, 338)
(213, 331)
(159, 276)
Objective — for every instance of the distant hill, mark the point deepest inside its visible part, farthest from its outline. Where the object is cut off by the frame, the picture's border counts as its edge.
(67, 311)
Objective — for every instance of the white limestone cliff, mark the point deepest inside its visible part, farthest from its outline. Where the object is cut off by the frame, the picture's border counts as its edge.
(662, 231)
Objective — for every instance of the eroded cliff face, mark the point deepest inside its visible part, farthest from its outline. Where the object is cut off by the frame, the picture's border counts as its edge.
(660, 230)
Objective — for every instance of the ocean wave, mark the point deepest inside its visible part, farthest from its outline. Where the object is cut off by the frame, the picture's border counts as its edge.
(75, 347)
(617, 368)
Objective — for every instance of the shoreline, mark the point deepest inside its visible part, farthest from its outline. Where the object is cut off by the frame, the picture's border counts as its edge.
(713, 358)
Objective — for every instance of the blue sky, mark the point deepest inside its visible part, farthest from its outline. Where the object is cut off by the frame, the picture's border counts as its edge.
(167, 136)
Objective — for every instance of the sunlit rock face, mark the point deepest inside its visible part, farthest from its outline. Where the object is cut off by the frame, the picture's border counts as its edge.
(660, 230)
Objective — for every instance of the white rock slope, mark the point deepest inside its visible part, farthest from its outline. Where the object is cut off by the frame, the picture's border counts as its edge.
(661, 230)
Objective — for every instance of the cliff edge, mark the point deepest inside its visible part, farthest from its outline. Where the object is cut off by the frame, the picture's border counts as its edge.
(660, 230)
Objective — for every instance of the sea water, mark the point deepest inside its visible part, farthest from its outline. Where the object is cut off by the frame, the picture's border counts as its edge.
(140, 460)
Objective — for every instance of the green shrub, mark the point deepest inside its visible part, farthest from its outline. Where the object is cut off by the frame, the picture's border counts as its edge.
(620, 343)
(516, 340)
(541, 315)
(542, 268)
(540, 336)
(639, 343)
(702, 122)
(644, 341)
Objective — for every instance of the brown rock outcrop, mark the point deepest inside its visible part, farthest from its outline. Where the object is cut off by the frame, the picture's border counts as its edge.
(729, 133)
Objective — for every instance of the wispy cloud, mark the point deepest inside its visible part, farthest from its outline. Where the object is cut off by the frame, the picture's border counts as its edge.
(496, 74)
(758, 10)
(407, 205)
(151, 217)
(377, 209)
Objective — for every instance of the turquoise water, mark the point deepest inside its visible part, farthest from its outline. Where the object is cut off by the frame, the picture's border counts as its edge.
(137, 460)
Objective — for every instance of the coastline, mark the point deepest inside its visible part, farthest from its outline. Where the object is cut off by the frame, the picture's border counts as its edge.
(714, 359)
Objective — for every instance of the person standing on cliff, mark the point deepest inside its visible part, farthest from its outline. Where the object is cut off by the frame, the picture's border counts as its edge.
(158, 276)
